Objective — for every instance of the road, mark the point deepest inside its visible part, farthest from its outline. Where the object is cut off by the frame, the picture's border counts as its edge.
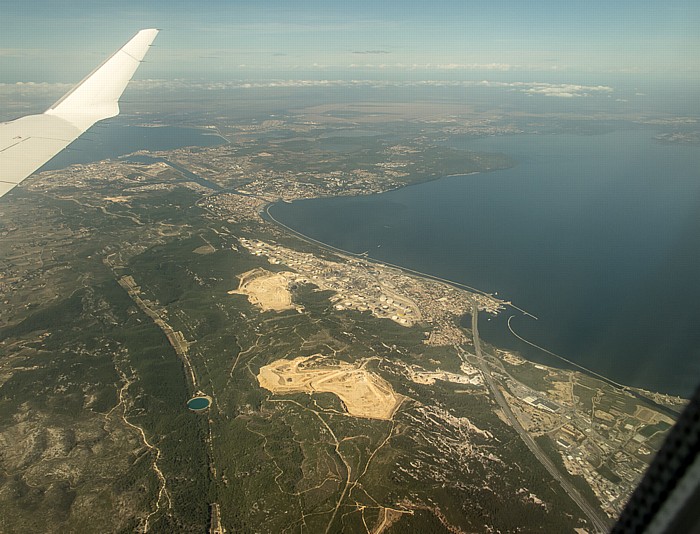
(593, 514)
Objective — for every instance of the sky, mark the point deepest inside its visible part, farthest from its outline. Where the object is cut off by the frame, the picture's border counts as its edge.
(575, 42)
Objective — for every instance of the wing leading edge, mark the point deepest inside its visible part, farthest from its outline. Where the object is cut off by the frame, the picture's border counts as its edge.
(29, 142)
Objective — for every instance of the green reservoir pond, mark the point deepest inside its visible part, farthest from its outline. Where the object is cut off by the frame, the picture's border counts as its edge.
(198, 403)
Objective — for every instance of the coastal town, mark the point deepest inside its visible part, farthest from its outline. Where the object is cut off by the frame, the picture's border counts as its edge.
(384, 291)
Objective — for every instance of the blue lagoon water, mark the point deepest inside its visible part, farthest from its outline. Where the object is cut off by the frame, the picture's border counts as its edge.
(597, 236)
(113, 139)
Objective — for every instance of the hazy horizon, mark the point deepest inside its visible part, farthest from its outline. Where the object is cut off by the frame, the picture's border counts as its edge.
(222, 40)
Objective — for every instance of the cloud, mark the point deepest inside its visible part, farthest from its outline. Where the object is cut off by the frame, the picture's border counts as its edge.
(561, 90)
(528, 88)
(371, 52)
(565, 90)
(23, 53)
(483, 66)
(531, 88)
(34, 86)
(473, 66)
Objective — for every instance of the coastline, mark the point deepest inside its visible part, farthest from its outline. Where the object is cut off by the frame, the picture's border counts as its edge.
(634, 391)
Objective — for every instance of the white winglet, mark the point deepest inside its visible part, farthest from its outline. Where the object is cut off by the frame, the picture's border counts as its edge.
(29, 142)
(97, 96)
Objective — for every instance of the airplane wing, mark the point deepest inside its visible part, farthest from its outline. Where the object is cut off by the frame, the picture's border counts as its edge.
(29, 142)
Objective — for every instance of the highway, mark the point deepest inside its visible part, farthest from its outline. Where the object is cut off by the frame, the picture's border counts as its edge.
(593, 513)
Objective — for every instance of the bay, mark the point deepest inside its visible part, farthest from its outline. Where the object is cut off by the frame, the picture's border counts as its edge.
(113, 139)
(597, 236)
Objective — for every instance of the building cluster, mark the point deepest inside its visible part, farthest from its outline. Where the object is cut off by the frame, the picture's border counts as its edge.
(470, 376)
(289, 186)
(383, 291)
(233, 207)
(607, 449)
(256, 175)
(355, 288)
